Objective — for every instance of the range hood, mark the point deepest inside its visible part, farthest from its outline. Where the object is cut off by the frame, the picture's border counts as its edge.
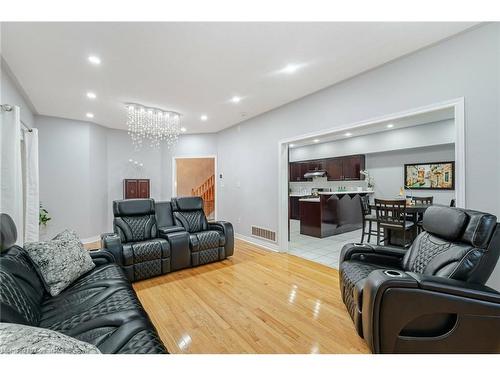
(312, 174)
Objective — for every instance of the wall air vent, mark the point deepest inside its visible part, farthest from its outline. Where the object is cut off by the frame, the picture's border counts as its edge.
(264, 233)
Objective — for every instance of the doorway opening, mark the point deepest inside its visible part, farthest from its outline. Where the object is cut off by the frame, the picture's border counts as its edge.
(195, 176)
(384, 147)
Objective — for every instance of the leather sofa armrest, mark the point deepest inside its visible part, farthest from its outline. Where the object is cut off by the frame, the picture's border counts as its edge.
(112, 243)
(384, 255)
(226, 228)
(394, 299)
(179, 249)
(164, 231)
(101, 256)
(456, 288)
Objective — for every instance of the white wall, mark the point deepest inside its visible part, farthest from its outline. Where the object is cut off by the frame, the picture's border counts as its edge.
(82, 167)
(388, 172)
(435, 133)
(157, 164)
(463, 66)
(65, 178)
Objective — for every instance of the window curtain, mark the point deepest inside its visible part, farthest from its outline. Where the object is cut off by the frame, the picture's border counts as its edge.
(30, 185)
(11, 176)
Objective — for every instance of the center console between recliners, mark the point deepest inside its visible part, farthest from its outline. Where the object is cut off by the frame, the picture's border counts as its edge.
(152, 239)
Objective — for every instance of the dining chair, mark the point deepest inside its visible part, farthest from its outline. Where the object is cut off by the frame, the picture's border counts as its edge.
(425, 201)
(391, 217)
(368, 218)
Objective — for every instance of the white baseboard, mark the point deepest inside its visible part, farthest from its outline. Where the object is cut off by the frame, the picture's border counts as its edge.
(256, 241)
(90, 239)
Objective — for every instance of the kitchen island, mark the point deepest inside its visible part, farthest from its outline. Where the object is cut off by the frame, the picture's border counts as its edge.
(331, 213)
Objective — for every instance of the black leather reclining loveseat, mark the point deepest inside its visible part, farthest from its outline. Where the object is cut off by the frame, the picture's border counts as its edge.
(431, 298)
(152, 239)
(100, 307)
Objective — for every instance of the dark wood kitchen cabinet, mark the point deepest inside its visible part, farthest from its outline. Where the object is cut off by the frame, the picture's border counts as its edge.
(334, 169)
(344, 168)
(294, 208)
(298, 170)
(351, 166)
(316, 165)
(294, 172)
(135, 188)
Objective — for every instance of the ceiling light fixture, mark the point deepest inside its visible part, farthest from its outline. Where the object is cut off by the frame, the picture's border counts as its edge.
(183, 130)
(91, 95)
(292, 145)
(89, 115)
(390, 125)
(94, 60)
(203, 117)
(348, 134)
(316, 140)
(152, 124)
(235, 99)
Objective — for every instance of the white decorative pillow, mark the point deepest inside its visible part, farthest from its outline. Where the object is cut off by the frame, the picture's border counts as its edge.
(60, 261)
(21, 339)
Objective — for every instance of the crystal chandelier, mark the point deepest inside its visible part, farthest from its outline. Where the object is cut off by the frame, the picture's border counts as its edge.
(153, 125)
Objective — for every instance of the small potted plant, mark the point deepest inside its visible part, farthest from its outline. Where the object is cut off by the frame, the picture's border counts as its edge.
(370, 180)
(43, 216)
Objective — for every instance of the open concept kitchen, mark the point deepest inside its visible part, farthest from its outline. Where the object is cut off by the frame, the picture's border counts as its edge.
(369, 185)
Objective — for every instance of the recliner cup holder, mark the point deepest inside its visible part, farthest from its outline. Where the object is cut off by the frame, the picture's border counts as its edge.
(393, 273)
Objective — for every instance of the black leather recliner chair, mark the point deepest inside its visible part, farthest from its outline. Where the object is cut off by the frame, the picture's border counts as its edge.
(135, 243)
(208, 242)
(431, 298)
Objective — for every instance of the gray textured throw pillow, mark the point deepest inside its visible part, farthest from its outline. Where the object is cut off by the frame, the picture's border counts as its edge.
(60, 261)
(21, 339)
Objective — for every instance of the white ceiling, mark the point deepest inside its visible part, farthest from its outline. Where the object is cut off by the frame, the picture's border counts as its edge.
(380, 126)
(195, 68)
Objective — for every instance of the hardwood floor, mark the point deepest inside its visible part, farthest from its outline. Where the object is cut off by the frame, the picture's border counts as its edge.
(92, 245)
(254, 302)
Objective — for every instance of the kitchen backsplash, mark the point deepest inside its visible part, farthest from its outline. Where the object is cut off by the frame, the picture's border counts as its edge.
(305, 187)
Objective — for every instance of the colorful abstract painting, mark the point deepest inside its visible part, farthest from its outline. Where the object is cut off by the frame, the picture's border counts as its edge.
(436, 176)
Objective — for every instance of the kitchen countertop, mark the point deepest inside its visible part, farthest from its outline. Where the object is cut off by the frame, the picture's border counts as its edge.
(331, 193)
(309, 200)
(345, 192)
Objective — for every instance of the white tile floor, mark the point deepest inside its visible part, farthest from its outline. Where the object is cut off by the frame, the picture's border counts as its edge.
(322, 250)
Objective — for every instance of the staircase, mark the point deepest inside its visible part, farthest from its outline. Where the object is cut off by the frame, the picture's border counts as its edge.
(207, 192)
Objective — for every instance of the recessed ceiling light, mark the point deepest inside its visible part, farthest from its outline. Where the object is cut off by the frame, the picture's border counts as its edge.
(91, 95)
(203, 117)
(390, 125)
(316, 140)
(89, 115)
(348, 134)
(94, 60)
(183, 130)
(291, 145)
(290, 68)
(235, 99)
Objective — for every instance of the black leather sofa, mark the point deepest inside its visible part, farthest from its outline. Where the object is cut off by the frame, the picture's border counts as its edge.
(100, 307)
(431, 298)
(152, 239)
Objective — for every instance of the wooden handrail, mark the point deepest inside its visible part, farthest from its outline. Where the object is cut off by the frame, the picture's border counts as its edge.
(206, 190)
